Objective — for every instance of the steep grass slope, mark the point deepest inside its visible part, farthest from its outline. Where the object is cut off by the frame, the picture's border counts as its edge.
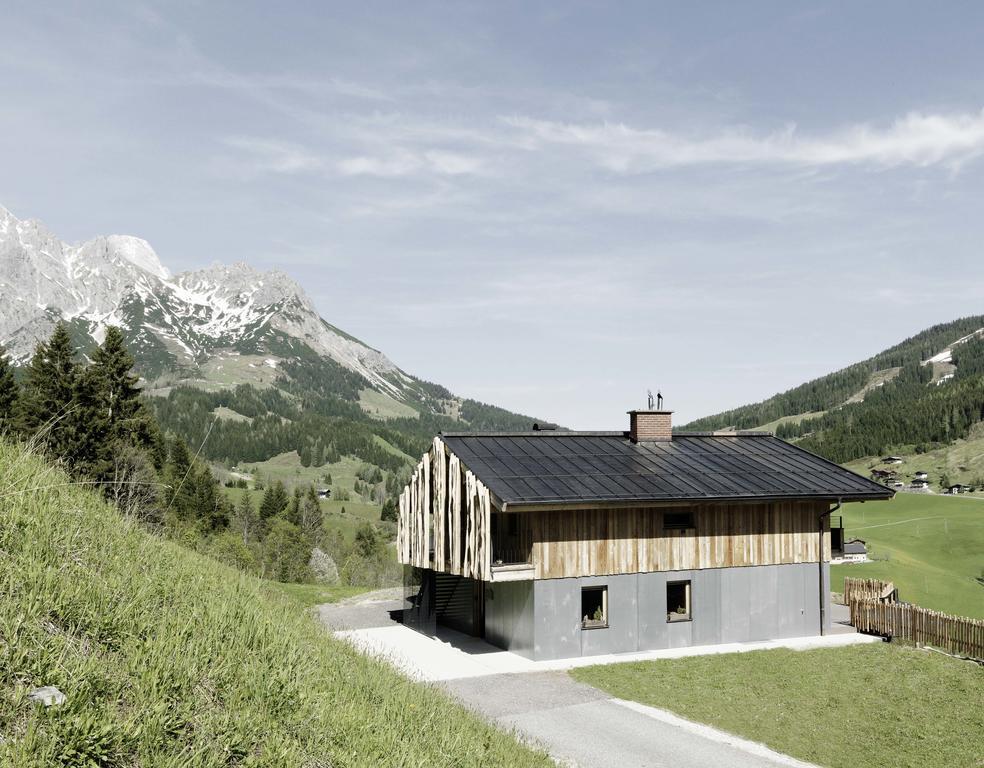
(168, 659)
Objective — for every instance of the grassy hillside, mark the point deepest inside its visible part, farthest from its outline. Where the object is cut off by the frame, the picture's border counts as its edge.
(932, 547)
(169, 659)
(959, 462)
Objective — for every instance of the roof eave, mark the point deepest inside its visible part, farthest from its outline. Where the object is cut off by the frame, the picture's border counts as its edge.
(556, 505)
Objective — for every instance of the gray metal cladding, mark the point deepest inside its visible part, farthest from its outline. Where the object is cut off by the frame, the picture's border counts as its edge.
(728, 605)
(509, 616)
(571, 467)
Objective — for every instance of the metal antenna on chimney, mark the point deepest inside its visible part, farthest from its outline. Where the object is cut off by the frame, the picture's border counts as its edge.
(659, 400)
(649, 393)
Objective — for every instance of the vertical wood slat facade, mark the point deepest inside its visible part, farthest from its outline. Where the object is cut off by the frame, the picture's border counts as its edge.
(445, 517)
(595, 542)
(446, 498)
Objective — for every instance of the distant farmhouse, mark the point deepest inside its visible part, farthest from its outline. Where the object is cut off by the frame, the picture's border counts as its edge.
(892, 460)
(959, 488)
(855, 551)
(556, 544)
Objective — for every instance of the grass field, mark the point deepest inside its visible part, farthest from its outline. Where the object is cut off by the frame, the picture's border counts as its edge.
(934, 547)
(169, 659)
(854, 707)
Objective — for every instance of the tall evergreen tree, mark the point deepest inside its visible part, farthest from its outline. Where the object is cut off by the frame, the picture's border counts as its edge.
(312, 518)
(89, 450)
(46, 403)
(180, 502)
(8, 393)
(211, 507)
(275, 501)
(246, 519)
(126, 415)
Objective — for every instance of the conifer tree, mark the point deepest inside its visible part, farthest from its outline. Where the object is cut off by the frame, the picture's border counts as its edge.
(88, 451)
(8, 393)
(294, 508)
(127, 418)
(311, 516)
(210, 505)
(275, 501)
(246, 519)
(46, 402)
(177, 476)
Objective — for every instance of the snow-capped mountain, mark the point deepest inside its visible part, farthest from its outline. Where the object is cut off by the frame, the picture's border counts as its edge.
(175, 324)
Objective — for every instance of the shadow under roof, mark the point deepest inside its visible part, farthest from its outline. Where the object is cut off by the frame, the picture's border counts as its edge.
(577, 468)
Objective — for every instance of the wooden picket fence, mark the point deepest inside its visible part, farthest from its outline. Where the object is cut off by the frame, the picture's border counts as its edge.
(869, 589)
(954, 634)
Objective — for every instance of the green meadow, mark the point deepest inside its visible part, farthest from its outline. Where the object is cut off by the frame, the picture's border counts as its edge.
(931, 546)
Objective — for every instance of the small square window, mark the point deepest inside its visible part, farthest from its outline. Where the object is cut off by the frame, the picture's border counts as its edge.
(678, 521)
(678, 601)
(594, 607)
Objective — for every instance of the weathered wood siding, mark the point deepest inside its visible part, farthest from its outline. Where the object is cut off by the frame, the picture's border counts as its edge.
(571, 543)
(444, 521)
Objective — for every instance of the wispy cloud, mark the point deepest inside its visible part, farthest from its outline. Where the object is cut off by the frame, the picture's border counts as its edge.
(406, 163)
(269, 155)
(916, 139)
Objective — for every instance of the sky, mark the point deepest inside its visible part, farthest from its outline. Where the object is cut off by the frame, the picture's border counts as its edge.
(552, 207)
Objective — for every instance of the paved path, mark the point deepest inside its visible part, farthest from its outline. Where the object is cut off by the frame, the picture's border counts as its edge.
(579, 725)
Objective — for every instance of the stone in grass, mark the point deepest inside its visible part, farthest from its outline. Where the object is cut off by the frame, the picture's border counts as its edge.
(323, 567)
(48, 695)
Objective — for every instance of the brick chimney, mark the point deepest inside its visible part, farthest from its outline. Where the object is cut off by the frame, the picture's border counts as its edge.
(650, 426)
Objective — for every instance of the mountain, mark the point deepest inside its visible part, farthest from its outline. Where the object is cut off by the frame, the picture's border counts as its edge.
(923, 394)
(221, 338)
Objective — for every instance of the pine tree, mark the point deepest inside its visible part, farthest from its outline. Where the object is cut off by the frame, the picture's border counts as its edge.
(89, 451)
(8, 394)
(306, 456)
(179, 495)
(246, 519)
(126, 415)
(311, 515)
(211, 508)
(294, 508)
(46, 405)
(275, 501)
(389, 511)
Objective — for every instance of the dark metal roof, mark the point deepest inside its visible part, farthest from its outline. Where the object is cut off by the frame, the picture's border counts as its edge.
(577, 468)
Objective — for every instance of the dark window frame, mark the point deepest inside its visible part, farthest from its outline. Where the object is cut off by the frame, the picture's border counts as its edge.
(589, 623)
(672, 617)
(683, 521)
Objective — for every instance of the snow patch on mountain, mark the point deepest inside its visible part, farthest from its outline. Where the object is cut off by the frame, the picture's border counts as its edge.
(946, 356)
(119, 280)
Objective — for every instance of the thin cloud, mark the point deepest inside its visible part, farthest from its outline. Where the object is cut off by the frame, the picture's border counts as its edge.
(916, 139)
(272, 156)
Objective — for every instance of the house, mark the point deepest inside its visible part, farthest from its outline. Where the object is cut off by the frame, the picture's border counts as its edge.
(855, 551)
(921, 476)
(556, 544)
(883, 474)
(959, 488)
(324, 493)
(919, 485)
(892, 460)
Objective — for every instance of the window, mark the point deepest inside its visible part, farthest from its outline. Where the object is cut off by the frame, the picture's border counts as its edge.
(678, 521)
(678, 601)
(594, 607)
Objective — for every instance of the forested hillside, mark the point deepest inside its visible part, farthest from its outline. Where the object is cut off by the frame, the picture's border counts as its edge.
(898, 397)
